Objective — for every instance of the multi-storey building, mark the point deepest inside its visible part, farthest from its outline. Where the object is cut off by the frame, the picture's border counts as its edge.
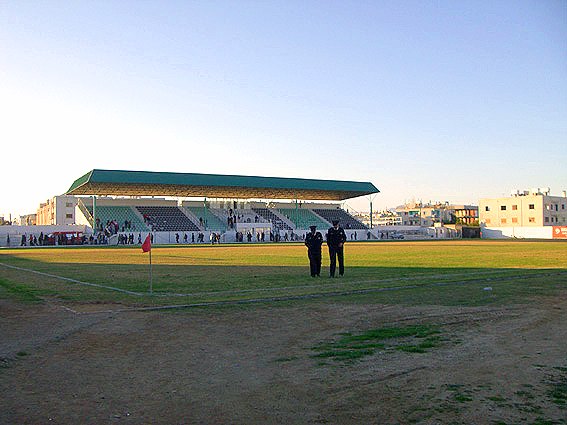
(465, 214)
(534, 208)
(426, 215)
(58, 210)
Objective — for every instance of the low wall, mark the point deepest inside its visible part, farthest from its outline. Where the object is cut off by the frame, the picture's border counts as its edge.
(543, 232)
(15, 232)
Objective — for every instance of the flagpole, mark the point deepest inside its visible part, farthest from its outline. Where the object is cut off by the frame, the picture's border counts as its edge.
(147, 246)
(151, 289)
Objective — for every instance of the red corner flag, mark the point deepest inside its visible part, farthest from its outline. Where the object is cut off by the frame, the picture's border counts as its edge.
(147, 245)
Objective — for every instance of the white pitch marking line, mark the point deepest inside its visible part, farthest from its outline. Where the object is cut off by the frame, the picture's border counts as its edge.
(96, 285)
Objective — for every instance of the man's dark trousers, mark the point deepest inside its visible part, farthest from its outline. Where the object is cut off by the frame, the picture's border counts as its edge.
(314, 263)
(333, 254)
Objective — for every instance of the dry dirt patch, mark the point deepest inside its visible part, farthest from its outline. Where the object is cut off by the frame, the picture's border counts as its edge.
(255, 365)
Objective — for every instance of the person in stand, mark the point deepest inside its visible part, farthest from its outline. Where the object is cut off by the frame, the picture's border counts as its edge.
(336, 239)
(313, 242)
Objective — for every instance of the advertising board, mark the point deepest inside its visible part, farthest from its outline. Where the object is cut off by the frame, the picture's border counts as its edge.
(559, 232)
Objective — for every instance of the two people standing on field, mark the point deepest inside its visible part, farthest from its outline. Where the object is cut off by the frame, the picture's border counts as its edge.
(336, 239)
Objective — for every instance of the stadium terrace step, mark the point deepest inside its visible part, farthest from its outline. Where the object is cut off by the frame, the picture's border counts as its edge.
(303, 218)
(210, 219)
(167, 219)
(346, 220)
(120, 214)
(271, 217)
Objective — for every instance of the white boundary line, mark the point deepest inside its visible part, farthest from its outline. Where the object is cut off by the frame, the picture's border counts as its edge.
(96, 285)
(298, 297)
(234, 291)
(272, 299)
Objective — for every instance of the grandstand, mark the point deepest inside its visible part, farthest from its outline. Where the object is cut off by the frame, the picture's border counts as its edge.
(164, 218)
(227, 207)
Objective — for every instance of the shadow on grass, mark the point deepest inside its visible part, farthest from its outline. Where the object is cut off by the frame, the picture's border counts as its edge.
(192, 284)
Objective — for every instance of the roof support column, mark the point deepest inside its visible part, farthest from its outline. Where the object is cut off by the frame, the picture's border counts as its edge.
(371, 198)
(94, 215)
(205, 213)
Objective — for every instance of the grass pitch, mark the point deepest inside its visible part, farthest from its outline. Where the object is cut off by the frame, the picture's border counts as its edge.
(401, 272)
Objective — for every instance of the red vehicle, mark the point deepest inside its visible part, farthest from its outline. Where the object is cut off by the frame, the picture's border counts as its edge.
(65, 238)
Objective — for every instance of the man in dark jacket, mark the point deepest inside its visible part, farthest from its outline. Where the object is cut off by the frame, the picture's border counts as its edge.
(336, 239)
(313, 241)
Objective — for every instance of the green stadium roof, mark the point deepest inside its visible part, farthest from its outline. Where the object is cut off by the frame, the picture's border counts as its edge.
(147, 183)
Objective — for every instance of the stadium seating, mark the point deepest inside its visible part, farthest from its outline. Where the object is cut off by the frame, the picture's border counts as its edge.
(346, 220)
(268, 215)
(120, 214)
(303, 218)
(167, 219)
(213, 222)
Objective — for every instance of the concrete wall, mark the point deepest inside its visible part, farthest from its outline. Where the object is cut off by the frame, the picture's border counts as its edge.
(542, 232)
(16, 232)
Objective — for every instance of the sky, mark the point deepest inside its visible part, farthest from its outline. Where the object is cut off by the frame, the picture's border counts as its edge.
(428, 100)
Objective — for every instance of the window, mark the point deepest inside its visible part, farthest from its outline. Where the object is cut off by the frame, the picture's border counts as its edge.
(69, 215)
(532, 206)
(514, 220)
(531, 219)
(69, 204)
(502, 207)
(487, 221)
(514, 207)
(547, 219)
(503, 221)
(487, 208)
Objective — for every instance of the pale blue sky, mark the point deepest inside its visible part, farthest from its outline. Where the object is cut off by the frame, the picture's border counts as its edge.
(438, 100)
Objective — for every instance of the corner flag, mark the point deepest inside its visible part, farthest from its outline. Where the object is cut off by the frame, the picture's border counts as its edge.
(147, 245)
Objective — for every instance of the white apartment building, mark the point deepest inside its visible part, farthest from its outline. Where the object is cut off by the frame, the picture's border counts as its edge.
(531, 209)
(59, 210)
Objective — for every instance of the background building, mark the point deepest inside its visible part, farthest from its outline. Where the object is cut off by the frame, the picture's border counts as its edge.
(426, 215)
(465, 214)
(60, 210)
(533, 209)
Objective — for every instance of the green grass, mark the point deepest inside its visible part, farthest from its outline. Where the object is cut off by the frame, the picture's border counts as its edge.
(20, 292)
(420, 347)
(558, 391)
(352, 347)
(425, 272)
